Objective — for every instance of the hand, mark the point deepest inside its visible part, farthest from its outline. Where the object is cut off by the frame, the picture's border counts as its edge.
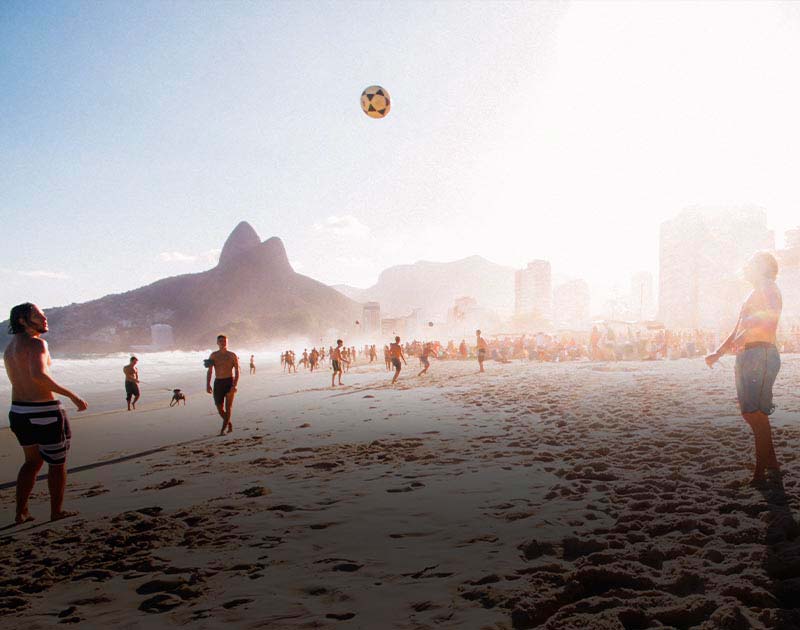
(80, 403)
(209, 390)
(234, 390)
(711, 359)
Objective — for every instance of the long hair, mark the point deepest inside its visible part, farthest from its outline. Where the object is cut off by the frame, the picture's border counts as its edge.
(20, 311)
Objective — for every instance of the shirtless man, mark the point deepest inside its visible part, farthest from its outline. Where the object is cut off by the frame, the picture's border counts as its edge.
(337, 358)
(757, 359)
(131, 383)
(252, 364)
(482, 348)
(313, 358)
(37, 419)
(423, 358)
(395, 354)
(226, 365)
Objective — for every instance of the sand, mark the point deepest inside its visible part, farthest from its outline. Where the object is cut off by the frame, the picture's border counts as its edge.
(550, 496)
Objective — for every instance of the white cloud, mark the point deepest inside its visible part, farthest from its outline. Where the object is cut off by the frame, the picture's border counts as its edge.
(211, 256)
(346, 225)
(38, 273)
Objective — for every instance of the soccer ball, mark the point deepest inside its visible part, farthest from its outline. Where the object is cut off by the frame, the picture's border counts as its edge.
(375, 101)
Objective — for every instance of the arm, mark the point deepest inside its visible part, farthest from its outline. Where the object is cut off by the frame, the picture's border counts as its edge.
(208, 374)
(40, 375)
(235, 371)
(715, 356)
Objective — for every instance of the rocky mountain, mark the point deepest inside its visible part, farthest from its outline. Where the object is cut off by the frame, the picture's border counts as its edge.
(252, 295)
(434, 286)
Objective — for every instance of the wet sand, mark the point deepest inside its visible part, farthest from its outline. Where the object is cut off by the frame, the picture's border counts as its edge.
(553, 496)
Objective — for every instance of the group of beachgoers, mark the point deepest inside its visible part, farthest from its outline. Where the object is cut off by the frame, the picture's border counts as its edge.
(39, 420)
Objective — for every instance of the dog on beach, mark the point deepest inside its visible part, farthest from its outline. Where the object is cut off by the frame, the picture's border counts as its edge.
(177, 397)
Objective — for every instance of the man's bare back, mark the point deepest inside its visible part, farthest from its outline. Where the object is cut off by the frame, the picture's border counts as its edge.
(22, 357)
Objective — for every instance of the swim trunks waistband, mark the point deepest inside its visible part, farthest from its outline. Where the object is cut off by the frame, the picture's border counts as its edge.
(19, 406)
(758, 344)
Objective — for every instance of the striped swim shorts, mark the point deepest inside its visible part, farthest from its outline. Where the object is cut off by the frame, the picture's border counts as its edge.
(42, 424)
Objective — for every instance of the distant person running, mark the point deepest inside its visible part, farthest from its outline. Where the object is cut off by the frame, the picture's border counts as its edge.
(313, 359)
(132, 393)
(424, 358)
(252, 364)
(395, 354)
(37, 419)
(757, 359)
(226, 365)
(482, 348)
(462, 350)
(337, 359)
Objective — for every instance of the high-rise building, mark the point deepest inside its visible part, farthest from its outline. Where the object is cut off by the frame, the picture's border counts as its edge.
(701, 252)
(533, 291)
(789, 279)
(371, 319)
(161, 336)
(571, 305)
(640, 301)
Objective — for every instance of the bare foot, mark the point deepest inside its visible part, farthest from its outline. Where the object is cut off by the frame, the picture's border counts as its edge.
(63, 514)
(25, 517)
(230, 428)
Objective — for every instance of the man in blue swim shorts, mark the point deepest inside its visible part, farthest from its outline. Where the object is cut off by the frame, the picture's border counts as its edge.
(757, 359)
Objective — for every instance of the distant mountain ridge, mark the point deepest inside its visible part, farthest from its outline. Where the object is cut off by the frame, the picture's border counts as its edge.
(253, 295)
(434, 286)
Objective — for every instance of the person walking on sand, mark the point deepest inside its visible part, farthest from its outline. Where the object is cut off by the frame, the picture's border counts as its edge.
(337, 358)
(252, 364)
(395, 354)
(424, 358)
(757, 359)
(37, 419)
(132, 393)
(482, 348)
(226, 366)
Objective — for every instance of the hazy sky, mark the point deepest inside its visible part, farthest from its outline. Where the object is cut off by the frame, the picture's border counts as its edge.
(134, 136)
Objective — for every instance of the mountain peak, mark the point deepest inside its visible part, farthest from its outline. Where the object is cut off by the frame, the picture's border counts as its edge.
(243, 238)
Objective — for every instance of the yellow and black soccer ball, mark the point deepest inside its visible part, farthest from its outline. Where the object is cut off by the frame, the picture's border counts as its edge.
(375, 101)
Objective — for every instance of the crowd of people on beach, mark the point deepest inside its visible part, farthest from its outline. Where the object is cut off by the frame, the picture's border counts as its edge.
(39, 420)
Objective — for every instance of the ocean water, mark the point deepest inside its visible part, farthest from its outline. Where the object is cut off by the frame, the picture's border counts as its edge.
(99, 379)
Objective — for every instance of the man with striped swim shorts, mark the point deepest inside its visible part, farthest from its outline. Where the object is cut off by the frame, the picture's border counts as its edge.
(37, 419)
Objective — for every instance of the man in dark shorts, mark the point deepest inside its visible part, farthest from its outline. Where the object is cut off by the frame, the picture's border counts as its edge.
(424, 358)
(395, 354)
(226, 365)
(757, 359)
(37, 419)
(482, 348)
(337, 361)
(131, 383)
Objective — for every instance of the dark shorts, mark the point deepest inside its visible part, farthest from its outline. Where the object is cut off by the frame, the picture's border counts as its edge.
(42, 424)
(396, 364)
(424, 361)
(131, 390)
(481, 354)
(336, 365)
(756, 369)
(221, 388)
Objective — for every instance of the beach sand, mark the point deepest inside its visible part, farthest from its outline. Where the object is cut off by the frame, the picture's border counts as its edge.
(554, 496)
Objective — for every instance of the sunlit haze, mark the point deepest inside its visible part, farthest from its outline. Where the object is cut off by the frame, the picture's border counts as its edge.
(135, 137)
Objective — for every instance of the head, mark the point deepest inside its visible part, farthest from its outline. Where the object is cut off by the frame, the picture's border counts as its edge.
(27, 318)
(134, 361)
(222, 342)
(397, 339)
(760, 267)
(477, 333)
(339, 343)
